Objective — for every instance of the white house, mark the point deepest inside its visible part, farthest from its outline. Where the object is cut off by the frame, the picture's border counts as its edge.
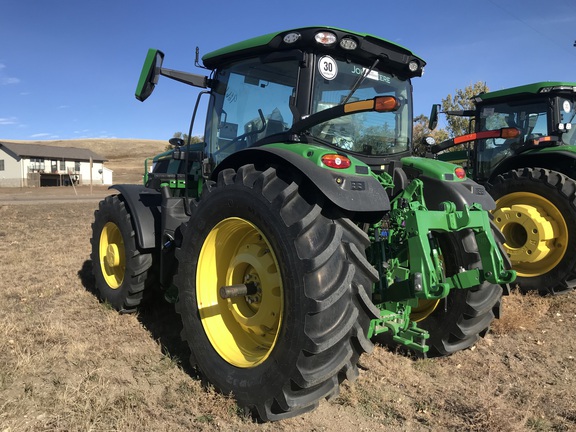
(24, 165)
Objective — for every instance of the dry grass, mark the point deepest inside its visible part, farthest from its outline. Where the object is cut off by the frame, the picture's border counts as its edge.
(69, 363)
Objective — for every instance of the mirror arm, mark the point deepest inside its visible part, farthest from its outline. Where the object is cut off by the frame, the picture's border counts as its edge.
(185, 77)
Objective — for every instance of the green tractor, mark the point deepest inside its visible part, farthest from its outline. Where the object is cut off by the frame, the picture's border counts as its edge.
(301, 228)
(523, 150)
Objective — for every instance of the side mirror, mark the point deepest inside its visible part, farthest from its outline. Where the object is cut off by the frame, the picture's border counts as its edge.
(149, 75)
(176, 142)
(433, 121)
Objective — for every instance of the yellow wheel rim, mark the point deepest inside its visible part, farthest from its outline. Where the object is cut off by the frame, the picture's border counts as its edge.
(112, 255)
(536, 232)
(243, 330)
(423, 310)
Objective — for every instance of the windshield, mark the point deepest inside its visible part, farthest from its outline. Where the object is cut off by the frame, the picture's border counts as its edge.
(531, 119)
(251, 101)
(369, 133)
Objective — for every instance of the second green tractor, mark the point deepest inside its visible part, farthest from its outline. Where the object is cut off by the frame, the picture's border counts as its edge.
(522, 148)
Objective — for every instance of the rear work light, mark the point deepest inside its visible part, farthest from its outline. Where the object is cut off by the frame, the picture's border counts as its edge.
(336, 161)
(325, 38)
(348, 43)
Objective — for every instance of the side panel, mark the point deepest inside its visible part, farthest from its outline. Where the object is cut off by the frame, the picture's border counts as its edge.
(144, 206)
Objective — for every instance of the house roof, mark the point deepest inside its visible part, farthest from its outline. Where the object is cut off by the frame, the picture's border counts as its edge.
(51, 152)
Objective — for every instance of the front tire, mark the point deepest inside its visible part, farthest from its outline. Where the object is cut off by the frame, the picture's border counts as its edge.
(120, 269)
(536, 212)
(281, 349)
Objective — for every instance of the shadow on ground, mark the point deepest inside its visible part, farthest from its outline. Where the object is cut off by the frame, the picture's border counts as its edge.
(157, 316)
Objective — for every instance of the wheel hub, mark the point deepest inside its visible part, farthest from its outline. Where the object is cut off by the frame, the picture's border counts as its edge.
(535, 231)
(112, 255)
(528, 230)
(243, 329)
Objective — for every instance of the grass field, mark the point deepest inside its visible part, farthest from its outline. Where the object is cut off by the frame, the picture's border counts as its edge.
(71, 363)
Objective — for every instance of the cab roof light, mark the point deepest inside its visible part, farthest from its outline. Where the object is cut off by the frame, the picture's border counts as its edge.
(336, 161)
(291, 37)
(557, 88)
(325, 38)
(348, 43)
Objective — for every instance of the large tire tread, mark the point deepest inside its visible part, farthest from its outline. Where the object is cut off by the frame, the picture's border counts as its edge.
(562, 278)
(128, 297)
(465, 316)
(336, 283)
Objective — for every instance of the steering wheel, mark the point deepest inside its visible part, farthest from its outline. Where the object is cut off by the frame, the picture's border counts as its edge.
(243, 137)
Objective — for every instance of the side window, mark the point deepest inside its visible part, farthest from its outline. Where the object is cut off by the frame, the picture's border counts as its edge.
(1, 164)
(251, 101)
(568, 119)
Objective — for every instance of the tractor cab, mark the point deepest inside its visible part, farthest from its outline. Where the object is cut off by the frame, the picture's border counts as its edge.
(509, 123)
(262, 89)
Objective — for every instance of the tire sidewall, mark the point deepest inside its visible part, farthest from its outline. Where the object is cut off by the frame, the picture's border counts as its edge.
(113, 210)
(518, 181)
(464, 315)
(257, 383)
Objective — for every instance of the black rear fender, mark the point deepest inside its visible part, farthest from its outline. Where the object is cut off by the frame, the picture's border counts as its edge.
(144, 207)
(361, 194)
(463, 193)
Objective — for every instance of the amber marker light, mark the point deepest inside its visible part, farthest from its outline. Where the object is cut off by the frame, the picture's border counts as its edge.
(386, 104)
(509, 132)
(378, 104)
(336, 161)
(460, 173)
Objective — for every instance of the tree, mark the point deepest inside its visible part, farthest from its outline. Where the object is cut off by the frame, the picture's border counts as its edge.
(462, 100)
(420, 130)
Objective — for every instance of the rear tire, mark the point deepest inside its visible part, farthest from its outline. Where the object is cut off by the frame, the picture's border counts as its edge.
(280, 350)
(458, 321)
(536, 212)
(120, 269)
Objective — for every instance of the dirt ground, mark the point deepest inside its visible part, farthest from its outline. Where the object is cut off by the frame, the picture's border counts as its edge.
(70, 363)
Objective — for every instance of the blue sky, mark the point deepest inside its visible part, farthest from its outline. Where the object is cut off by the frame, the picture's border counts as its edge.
(69, 68)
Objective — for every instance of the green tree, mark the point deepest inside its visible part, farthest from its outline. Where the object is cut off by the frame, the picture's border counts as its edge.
(462, 100)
